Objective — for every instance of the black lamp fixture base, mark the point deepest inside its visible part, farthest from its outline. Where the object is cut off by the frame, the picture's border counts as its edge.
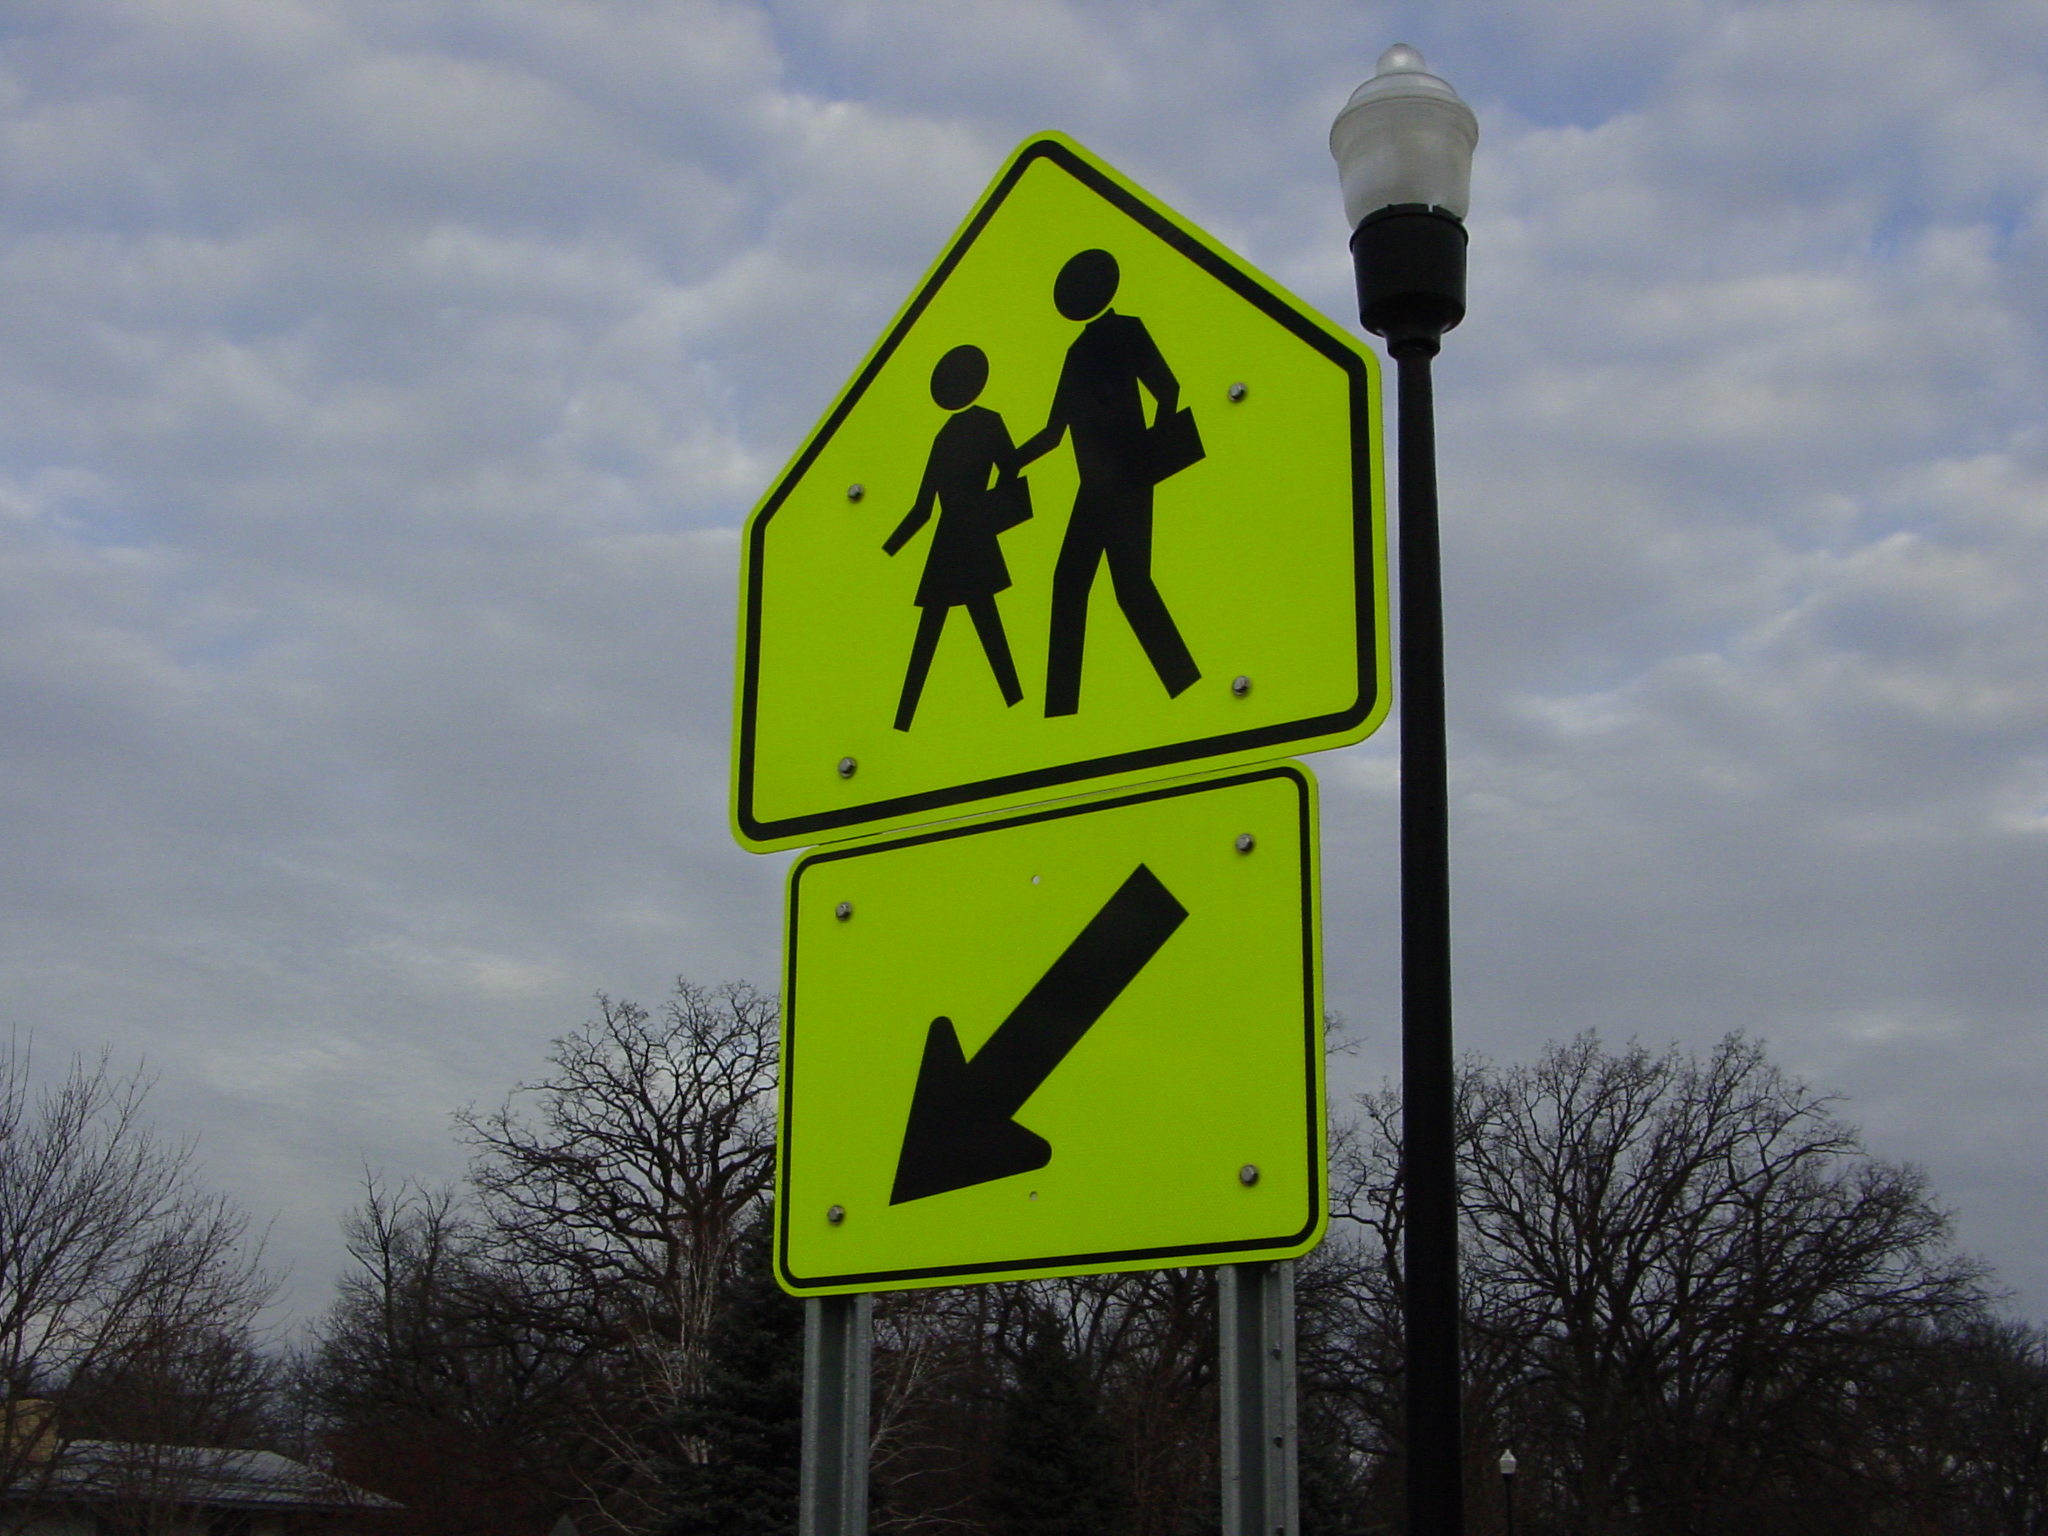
(1410, 263)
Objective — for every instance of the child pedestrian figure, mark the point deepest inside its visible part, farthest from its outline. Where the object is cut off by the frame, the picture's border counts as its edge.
(965, 567)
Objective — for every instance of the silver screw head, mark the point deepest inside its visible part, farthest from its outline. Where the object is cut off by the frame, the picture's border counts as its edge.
(835, 1214)
(1246, 842)
(1248, 1175)
(855, 491)
(847, 767)
(1240, 685)
(1236, 392)
(843, 911)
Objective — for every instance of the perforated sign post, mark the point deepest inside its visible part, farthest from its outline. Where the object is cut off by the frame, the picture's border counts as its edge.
(1101, 506)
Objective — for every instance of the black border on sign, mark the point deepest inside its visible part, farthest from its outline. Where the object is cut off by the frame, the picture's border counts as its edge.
(1312, 1045)
(879, 814)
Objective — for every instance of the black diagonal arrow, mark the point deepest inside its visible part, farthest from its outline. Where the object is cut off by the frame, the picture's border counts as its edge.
(961, 1130)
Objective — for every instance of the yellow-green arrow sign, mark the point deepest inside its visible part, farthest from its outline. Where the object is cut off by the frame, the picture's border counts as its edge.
(1079, 1038)
(1102, 505)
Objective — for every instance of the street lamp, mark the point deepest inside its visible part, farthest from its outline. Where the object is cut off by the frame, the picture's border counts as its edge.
(1507, 1487)
(1404, 146)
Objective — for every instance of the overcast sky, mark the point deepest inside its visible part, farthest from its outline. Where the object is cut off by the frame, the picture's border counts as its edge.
(383, 386)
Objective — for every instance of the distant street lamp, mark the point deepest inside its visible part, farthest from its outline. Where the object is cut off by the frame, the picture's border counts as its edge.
(1507, 1487)
(1404, 146)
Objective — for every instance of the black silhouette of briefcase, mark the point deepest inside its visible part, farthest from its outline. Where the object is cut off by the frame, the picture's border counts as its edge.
(1173, 443)
(1006, 504)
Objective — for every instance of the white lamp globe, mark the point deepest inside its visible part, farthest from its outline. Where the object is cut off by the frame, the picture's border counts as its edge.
(1404, 137)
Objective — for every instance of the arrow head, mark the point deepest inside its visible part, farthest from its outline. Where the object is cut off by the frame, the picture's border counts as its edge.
(959, 1133)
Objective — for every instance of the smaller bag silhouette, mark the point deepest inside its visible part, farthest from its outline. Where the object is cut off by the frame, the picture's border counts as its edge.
(1173, 443)
(1006, 504)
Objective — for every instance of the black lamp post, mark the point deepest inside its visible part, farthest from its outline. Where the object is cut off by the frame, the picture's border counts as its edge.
(1507, 1487)
(1404, 146)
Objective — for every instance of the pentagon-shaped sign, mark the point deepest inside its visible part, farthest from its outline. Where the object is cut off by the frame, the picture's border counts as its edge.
(1101, 506)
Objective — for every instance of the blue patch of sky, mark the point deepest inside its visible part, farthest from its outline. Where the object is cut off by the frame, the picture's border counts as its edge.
(105, 524)
(1530, 60)
(224, 651)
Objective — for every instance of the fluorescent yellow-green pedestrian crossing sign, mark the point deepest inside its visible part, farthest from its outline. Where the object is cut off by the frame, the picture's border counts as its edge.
(1101, 506)
(1077, 1038)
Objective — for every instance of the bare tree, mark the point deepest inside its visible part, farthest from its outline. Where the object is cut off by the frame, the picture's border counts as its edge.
(1962, 1428)
(2002, 1439)
(1684, 1278)
(439, 1380)
(928, 1350)
(615, 1187)
(948, 1365)
(129, 1295)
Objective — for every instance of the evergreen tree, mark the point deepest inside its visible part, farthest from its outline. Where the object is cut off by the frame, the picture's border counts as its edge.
(746, 1425)
(1055, 1471)
(1332, 1500)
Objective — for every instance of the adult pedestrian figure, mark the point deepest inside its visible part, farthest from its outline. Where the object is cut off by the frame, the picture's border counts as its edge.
(965, 567)
(1120, 458)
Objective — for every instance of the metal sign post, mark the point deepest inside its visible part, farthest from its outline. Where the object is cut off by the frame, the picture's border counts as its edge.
(832, 1488)
(1255, 1323)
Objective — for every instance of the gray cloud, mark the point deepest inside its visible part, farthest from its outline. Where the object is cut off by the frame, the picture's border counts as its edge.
(386, 383)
